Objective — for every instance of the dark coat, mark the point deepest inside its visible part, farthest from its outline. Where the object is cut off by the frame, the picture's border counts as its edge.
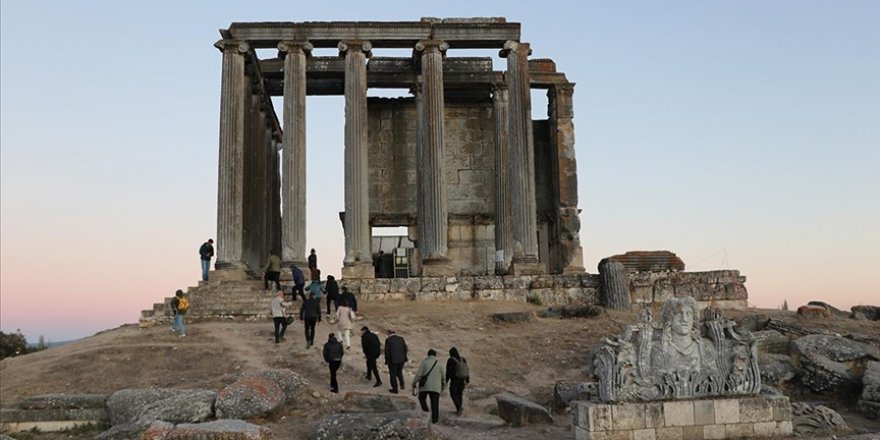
(332, 288)
(395, 350)
(310, 309)
(206, 251)
(298, 277)
(349, 297)
(313, 261)
(372, 346)
(333, 351)
(452, 369)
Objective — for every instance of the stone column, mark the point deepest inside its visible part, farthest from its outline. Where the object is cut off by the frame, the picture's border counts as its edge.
(294, 154)
(234, 97)
(522, 161)
(358, 261)
(503, 214)
(571, 259)
(431, 156)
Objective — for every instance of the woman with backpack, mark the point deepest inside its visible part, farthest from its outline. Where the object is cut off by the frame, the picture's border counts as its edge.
(457, 374)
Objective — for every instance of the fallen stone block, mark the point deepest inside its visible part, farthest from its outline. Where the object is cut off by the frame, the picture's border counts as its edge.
(143, 406)
(217, 430)
(870, 313)
(579, 311)
(249, 397)
(517, 411)
(776, 369)
(869, 400)
(833, 311)
(831, 362)
(816, 420)
(567, 392)
(355, 401)
(291, 384)
(65, 401)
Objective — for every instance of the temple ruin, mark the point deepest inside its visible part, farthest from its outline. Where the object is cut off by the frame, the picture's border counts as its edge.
(482, 187)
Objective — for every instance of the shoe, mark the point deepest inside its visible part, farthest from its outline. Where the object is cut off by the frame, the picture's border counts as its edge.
(377, 384)
(183, 335)
(173, 330)
(392, 391)
(458, 413)
(334, 391)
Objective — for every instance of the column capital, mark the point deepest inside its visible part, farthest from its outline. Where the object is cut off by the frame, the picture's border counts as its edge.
(522, 49)
(566, 88)
(499, 87)
(425, 46)
(355, 45)
(232, 46)
(285, 47)
(416, 88)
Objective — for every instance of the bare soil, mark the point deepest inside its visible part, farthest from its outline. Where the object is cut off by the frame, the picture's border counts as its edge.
(525, 359)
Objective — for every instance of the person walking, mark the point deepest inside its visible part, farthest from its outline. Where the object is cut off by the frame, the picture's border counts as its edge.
(179, 306)
(313, 264)
(299, 282)
(206, 252)
(310, 314)
(344, 317)
(372, 348)
(276, 308)
(333, 353)
(429, 381)
(457, 375)
(348, 296)
(395, 357)
(315, 287)
(332, 288)
(272, 271)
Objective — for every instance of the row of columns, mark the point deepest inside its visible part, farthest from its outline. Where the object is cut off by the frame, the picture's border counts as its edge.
(515, 206)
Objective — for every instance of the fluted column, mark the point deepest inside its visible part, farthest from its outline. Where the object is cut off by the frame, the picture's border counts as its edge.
(431, 156)
(294, 154)
(358, 259)
(503, 229)
(234, 97)
(522, 161)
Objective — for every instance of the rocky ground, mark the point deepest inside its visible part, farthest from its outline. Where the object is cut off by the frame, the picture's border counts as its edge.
(524, 358)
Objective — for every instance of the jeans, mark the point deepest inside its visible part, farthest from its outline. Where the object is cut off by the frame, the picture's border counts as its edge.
(280, 324)
(435, 404)
(178, 324)
(334, 366)
(206, 266)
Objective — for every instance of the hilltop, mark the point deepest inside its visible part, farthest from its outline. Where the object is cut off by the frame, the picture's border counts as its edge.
(524, 358)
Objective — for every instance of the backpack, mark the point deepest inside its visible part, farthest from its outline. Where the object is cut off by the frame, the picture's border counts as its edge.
(461, 370)
(182, 304)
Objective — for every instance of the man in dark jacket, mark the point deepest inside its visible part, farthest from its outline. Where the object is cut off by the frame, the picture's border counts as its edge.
(299, 282)
(206, 252)
(372, 349)
(332, 288)
(333, 353)
(313, 265)
(395, 357)
(310, 314)
(348, 297)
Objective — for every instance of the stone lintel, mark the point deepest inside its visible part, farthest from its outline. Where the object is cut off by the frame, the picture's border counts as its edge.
(478, 34)
(333, 84)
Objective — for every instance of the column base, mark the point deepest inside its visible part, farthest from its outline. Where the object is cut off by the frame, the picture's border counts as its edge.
(526, 265)
(358, 271)
(576, 263)
(229, 272)
(437, 267)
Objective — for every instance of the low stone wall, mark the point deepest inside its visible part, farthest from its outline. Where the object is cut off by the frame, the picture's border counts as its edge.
(725, 418)
(724, 289)
(54, 412)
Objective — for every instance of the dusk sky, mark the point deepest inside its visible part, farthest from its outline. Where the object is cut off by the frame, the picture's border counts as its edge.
(739, 135)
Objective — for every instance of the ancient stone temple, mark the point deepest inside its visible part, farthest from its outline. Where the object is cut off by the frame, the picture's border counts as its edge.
(481, 186)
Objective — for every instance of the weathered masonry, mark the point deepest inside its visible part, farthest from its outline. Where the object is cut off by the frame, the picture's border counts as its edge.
(482, 187)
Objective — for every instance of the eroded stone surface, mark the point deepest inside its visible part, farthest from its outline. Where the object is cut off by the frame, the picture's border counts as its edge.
(521, 412)
(829, 362)
(249, 397)
(812, 420)
(683, 358)
(869, 400)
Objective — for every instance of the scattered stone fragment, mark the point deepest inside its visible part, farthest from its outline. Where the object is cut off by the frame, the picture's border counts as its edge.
(403, 425)
(871, 313)
(812, 312)
(219, 429)
(355, 401)
(566, 392)
(831, 362)
(517, 411)
(291, 384)
(776, 369)
(143, 406)
(831, 309)
(771, 341)
(512, 317)
(814, 420)
(578, 311)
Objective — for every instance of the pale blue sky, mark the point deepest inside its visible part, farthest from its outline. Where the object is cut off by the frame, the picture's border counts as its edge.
(739, 135)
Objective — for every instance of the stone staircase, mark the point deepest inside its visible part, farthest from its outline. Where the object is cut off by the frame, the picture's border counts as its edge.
(245, 300)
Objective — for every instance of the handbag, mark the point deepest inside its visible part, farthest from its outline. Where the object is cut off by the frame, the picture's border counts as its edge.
(424, 379)
(288, 320)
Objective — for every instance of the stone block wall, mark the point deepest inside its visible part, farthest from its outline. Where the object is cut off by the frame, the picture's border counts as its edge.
(723, 288)
(760, 416)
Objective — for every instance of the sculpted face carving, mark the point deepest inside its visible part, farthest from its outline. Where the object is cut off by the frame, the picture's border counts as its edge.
(685, 359)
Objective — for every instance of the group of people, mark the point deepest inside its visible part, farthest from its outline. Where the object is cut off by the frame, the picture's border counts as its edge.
(431, 378)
